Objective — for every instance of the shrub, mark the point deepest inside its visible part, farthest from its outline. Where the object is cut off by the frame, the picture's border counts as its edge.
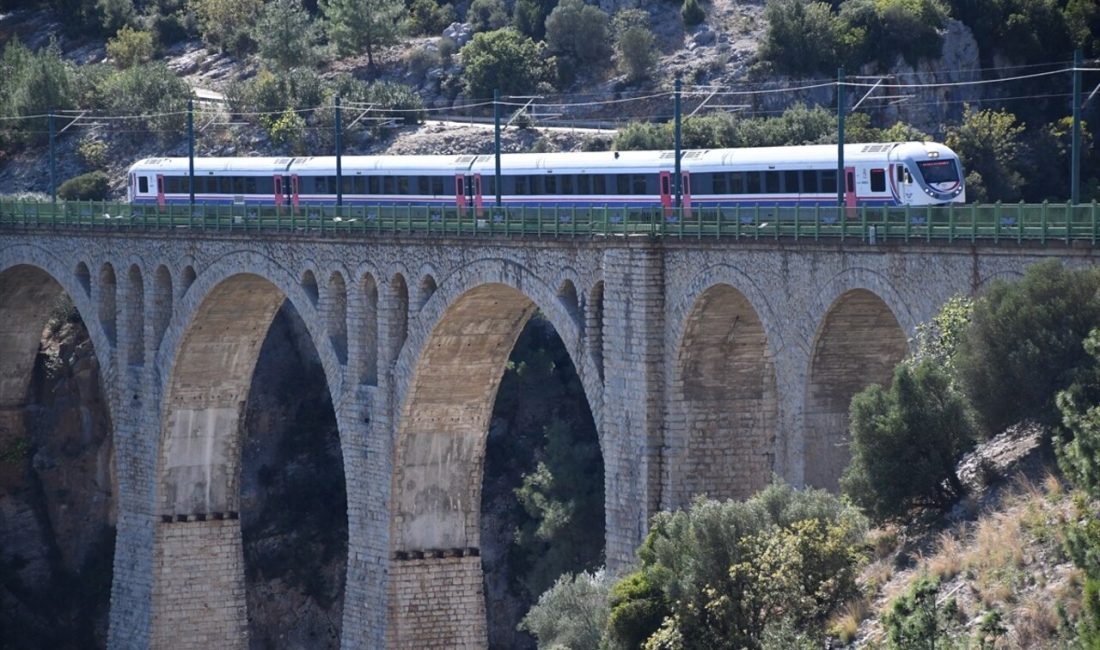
(427, 17)
(130, 47)
(1025, 344)
(33, 84)
(888, 28)
(691, 13)
(92, 186)
(916, 621)
(357, 25)
(504, 60)
(161, 95)
(642, 136)
(286, 35)
(487, 15)
(577, 34)
(288, 129)
(572, 613)
(114, 14)
(227, 24)
(92, 152)
(990, 144)
(803, 37)
(906, 441)
(635, 45)
(529, 18)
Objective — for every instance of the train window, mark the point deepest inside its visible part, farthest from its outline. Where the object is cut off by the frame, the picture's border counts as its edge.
(534, 184)
(718, 183)
(622, 184)
(265, 185)
(422, 185)
(372, 185)
(307, 184)
(550, 184)
(437, 185)
(359, 185)
(901, 173)
(388, 185)
(170, 185)
(584, 186)
(519, 185)
(640, 184)
(402, 184)
(448, 187)
(489, 185)
(599, 184)
(771, 182)
(809, 181)
(790, 182)
(752, 183)
(238, 184)
(737, 183)
(249, 184)
(143, 184)
(828, 180)
(878, 180)
(567, 184)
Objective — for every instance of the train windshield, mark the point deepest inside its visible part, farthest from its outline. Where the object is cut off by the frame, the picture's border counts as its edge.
(939, 171)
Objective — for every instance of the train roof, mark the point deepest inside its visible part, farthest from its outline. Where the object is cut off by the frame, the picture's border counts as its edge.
(569, 162)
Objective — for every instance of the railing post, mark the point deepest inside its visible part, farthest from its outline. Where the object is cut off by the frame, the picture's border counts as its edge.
(796, 221)
(1069, 220)
(1043, 222)
(1092, 212)
(1020, 222)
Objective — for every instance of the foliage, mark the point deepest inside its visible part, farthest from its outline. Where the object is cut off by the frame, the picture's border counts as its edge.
(92, 186)
(725, 569)
(114, 14)
(504, 60)
(92, 152)
(428, 17)
(1049, 153)
(1022, 30)
(906, 441)
(989, 143)
(803, 37)
(916, 621)
(227, 24)
(286, 35)
(572, 613)
(691, 13)
(883, 29)
(1025, 343)
(938, 339)
(635, 45)
(34, 84)
(577, 34)
(161, 95)
(529, 17)
(1083, 24)
(354, 26)
(638, 606)
(642, 136)
(288, 130)
(797, 125)
(858, 129)
(130, 47)
(487, 15)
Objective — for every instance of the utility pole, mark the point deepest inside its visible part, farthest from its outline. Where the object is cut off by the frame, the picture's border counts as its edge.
(841, 181)
(191, 152)
(496, 143)
(339, 166)
(1075, 147)
(676, 144)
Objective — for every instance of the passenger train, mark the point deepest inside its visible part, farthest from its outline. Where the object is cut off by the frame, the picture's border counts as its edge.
(881, 174)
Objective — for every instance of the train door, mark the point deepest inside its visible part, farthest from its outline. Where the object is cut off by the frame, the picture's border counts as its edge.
(160, 191)
(685, 192)
(294, 191)
(666, 193)
(850, 191)
(278, 191)
(460, 191)
(477, 194)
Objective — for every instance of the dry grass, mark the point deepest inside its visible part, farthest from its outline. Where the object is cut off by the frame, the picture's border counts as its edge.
(948, 560)
(845, 624)
(1035, 621)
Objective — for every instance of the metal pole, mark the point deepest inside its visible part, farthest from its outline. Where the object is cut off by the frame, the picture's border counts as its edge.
(496, 143)
(676, 133)
(840, 180)
(53, 159)
(1075, 147)
(339, 159)
(191, 151)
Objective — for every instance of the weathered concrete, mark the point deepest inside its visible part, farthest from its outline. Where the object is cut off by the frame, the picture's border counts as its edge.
(708, 366)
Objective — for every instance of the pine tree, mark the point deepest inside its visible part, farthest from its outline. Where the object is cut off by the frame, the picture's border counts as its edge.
(357, 25)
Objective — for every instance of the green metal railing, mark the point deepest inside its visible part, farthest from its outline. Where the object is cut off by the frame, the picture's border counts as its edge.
(1046, 222)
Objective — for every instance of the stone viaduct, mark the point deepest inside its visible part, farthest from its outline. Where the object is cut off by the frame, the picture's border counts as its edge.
(709, 366)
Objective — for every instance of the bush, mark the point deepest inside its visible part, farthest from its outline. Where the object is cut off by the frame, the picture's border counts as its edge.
(487, 15)
(160, 94)
(725, 569)
(577, 34)
(917, 622)
(635, 45)
(130, 47)
(92, 152)
(906, 441)
(34, 83)
(804, 37)
(529, 17)
(288, 130)
(1025, 344)
(93, 186)
(691, 13)
(989, 143)
(227, 24)
(504, 60)
(427, 17)
(572, 613)
(286, 35)
(888, 28)
(642, 136)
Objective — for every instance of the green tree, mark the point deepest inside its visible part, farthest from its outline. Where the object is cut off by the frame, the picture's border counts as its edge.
(529, 17)
(34, 83)
(803, 37)
(906, 441)
(354, 26)
(642, 136)
(1024, 343)
(114, 14)
(160, 94)
(286, 35)
(93, 186)
(725, 569)
(130, 47)
(692, 13)
(572, 613)
(917, 621)
(635, 45)
(989, 144)
(227, 24)
(487, 15)
(938, 339)
(577, 34)
(504, 60)
(887, 28)
(428, 17)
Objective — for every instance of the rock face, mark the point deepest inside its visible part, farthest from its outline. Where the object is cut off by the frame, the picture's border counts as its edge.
(293, 505)
(57, 502)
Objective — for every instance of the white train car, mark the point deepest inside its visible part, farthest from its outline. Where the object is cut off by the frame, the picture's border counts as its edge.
(877, 174)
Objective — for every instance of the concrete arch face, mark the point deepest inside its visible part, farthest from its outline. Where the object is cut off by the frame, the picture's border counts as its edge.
(858, 344)
(725, 390)
(199, 586)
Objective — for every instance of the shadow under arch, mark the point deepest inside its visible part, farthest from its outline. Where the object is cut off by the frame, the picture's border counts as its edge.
(858, 343)
(724, 389)
(448, 376)
(214, 343)
(58, 480)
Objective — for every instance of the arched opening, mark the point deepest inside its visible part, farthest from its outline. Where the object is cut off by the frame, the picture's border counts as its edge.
(108, 302)
(593, 321)
(858, 344)
(187, 278)
(725, 391)
(399, 315)
(442, 469)
(309, 285)
(84, 277)
(425, 290)
(162, 303)
(337, 316)
(368, 331)
(567, 294)
(57, 478)
(135, 317)
(252, 526)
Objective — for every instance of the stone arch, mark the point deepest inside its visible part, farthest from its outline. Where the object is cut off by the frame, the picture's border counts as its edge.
(567, 294)
(309, 285)
(84, 278)
(425, 291)
(336, 317)
(724, 387)
(108, 302)
(367, 330)
(135, 317)
(593, 326)
(858, 343)
(162, 303)
(448, 375)
(211, 347)
(187, 278)
(399, 313)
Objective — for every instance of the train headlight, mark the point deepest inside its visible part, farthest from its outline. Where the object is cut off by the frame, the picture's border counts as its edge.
(933, 154)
